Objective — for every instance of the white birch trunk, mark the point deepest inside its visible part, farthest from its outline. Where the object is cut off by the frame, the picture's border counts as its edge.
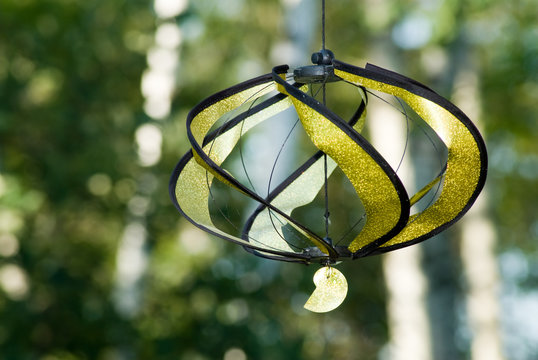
(406, 284)
(478, 241)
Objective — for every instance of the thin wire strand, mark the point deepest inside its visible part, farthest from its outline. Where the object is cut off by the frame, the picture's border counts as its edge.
(219, 132)
(272, 172)
(406, 133)
(408, 118)
(419, 126)
(240, 144)
(278, 155)
(236, 228)
(209, 186)
(326, 184)
(437, 151)
(404, 112)
(271, 215)
(323, 24)
(351, 229)
(250, 237)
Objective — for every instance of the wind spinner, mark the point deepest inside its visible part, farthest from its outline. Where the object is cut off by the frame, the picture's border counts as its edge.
(216, 125)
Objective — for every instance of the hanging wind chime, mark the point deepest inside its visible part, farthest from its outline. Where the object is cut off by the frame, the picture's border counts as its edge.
(216, 126)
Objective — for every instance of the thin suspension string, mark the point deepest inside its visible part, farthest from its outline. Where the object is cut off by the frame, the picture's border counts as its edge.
(326, 185)
(323, 24)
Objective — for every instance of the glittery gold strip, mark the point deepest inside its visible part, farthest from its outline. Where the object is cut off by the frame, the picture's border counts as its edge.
(422, 192)
(299, 192)
(219, 149)
(381, 200)
(463, 167)
(204, 120)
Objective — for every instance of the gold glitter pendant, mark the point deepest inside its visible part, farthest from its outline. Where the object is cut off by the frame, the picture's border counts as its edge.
(330, 292)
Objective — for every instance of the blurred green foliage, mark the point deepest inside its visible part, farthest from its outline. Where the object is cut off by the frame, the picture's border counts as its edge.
(70, 103)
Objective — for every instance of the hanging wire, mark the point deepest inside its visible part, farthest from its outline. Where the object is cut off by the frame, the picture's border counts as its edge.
(326, 185)
(323, 24)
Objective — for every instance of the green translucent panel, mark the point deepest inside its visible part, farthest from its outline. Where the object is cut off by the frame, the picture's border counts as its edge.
(300, 192)
(193, 184)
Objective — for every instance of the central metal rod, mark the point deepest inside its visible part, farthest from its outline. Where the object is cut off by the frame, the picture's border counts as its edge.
(323, 24)
(320, 60)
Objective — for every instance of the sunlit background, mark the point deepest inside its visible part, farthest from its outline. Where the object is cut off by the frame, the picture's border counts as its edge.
(95, 262)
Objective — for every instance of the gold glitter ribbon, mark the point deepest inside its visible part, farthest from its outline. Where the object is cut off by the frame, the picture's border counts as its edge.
(465, 170)
(383, 196)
